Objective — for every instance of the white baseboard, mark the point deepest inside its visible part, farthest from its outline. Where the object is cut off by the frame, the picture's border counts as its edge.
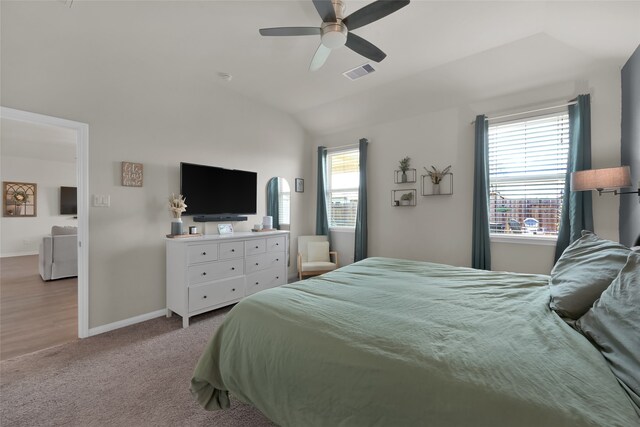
(126, 322)
(10, 254)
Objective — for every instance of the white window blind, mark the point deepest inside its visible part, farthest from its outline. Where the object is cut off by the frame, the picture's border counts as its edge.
(527, 168)
(343, 183)
(284, 201)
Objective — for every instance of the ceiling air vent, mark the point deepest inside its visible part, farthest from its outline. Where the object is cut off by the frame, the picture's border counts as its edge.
(358, 72)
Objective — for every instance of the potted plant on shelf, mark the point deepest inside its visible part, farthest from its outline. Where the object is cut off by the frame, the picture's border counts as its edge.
(436, 177)
(406, 198)
(404, 167)
(176, 207)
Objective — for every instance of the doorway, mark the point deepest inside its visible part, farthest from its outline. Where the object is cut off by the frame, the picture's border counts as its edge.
(78, 133)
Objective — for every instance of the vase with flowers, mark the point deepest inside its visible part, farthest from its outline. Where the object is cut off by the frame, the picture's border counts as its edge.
(176, 207)
(404, 167)
(436, 177)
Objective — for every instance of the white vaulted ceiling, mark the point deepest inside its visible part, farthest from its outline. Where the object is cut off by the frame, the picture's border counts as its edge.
(439, 53)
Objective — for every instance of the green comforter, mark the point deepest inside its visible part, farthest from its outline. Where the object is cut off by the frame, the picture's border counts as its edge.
(387, 342)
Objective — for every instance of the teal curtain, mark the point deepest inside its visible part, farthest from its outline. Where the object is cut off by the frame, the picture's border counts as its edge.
(577, 213)
(481, 251)
(322, 221)
(272, 202)
(360, 251)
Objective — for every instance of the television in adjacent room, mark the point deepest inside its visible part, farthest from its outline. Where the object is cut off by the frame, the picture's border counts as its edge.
(68, 201)
(210, 190)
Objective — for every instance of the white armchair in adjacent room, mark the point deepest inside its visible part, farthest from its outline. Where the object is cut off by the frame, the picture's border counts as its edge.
(314, 257)
(59, 254)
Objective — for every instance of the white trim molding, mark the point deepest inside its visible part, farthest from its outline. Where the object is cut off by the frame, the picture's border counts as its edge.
(82, 176)
(12, 254)
(523, 239)
(126, 322)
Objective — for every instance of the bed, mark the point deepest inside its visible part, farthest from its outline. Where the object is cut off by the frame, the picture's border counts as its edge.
(395, 342)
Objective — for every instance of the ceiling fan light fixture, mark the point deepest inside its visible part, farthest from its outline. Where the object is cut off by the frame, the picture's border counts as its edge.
(334, 35)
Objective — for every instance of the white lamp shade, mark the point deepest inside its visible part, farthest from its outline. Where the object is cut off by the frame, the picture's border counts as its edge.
(599, 179)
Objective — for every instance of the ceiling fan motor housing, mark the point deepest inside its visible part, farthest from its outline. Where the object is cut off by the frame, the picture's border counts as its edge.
(333, 34)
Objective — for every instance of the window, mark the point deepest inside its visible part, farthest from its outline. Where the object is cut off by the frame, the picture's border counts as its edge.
(342, 187)
(527, 168)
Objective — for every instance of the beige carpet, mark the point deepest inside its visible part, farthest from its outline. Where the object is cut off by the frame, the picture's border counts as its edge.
(135, 376)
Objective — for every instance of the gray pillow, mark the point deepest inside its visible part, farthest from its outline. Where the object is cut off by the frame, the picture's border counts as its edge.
(613, 324)
(58, 230)
(585, 269)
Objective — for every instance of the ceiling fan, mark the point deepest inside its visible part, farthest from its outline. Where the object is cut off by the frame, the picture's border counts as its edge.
(335, 30)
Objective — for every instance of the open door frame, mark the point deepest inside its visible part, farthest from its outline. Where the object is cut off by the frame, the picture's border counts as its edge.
(82, 174)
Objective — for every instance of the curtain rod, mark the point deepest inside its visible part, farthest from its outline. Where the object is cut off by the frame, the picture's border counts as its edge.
(530, 111)
(341, 147)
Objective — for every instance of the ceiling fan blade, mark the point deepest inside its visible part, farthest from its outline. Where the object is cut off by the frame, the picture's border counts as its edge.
(290, 31)
(372, 12)
(325, 10)
(319, 58)
(364, 48)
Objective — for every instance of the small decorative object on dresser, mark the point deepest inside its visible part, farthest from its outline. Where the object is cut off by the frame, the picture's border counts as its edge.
(176, 207)
(225, 229)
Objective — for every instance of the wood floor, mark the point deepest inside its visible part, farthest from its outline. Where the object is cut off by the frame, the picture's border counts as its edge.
(34, 314)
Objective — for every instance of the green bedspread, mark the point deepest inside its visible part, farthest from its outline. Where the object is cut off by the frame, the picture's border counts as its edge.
(387, 342)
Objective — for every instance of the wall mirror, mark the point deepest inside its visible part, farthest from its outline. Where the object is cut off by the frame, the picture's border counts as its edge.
(279, 202)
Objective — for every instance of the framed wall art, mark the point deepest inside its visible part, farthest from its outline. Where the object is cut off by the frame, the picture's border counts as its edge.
(299, 185)
(132, 174)
(19, 199)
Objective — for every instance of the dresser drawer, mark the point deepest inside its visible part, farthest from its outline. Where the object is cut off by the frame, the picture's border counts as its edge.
(210, 294)
(254, 247)
(202, 253)
(231, 250)
(275, 244)
(266, 279)
(215, 270)
(264, 261)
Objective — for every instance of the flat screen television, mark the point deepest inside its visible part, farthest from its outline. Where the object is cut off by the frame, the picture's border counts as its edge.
(68, 201)
(210, 190)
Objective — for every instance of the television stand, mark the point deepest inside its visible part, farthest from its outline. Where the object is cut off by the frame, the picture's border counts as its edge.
(213, 218)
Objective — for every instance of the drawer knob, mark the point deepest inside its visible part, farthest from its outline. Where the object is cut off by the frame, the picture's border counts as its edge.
(277, 259)
(277, 244)
(256, 247)
(257, 263)
(233, 289)
(233, 250)
(233, 268)
(204, 273)
(257, 283)
(204, 296)
(277, 277)
(204, 253)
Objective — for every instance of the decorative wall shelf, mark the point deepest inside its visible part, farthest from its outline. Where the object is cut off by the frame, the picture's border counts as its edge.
(411, 176)
(396, 197)
(429, 189)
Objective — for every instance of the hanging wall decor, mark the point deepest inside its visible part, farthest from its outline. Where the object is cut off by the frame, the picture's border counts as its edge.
(19, 199)
(132, 174)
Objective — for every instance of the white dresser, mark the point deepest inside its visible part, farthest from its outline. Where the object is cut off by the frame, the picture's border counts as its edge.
(209, 272)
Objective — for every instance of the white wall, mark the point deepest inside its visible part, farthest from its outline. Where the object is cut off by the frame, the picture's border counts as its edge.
(438, 229)
(22, 235)
(156, 116)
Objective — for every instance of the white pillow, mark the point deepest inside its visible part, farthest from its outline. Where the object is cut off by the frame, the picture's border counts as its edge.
(318, 251)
